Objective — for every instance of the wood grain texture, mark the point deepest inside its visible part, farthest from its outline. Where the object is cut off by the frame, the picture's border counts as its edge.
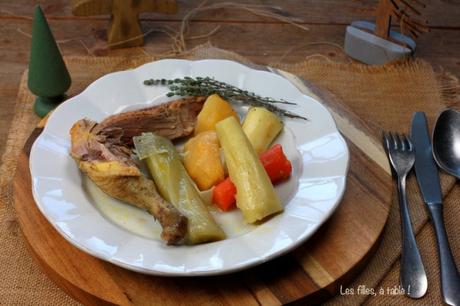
(440, 13)
(310, 274)
(255, 35)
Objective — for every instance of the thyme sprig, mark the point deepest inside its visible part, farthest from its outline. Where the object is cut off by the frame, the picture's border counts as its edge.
(205, 86)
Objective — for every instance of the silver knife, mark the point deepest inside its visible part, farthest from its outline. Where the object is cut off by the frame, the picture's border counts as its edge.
(428, 181)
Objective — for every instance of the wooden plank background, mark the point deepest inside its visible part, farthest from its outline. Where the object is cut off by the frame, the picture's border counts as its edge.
(261, 39)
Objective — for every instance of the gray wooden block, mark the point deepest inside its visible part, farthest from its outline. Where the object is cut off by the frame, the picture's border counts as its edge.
(372, 49)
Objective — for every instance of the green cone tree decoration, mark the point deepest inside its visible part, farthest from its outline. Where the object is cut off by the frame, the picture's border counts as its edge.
(48, 75)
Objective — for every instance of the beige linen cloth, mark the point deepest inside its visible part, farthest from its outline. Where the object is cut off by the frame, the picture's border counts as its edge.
(383, 97)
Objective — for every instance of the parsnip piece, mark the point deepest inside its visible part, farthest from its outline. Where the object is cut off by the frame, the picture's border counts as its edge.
(176, 187)
(255, 196)
(261, 126)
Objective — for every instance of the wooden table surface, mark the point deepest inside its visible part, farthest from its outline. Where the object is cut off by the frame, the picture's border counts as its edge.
(261, 39)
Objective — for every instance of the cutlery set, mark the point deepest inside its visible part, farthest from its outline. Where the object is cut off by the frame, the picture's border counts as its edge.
(416, 151)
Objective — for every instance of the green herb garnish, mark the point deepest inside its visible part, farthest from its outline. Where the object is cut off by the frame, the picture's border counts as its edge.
(200, 86)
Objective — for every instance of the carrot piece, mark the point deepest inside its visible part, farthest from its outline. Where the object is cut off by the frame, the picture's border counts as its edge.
(224, 195)
(276, 164)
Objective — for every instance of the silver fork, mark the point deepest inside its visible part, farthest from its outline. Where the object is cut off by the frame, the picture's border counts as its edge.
(412, 275)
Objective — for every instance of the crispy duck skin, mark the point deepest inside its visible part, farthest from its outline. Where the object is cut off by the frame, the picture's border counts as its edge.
(102, 156)
(171, 120)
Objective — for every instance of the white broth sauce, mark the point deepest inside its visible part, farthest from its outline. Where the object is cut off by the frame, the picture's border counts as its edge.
(143, 224)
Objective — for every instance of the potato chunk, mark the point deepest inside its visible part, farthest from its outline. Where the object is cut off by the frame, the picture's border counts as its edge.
(202, 160)
(214, 110)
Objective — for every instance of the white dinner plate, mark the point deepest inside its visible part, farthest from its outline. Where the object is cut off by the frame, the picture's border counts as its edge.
(129, 237)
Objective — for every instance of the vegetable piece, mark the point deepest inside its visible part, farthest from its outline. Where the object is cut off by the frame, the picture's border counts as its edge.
(202, 160)
(176, 187)
(277, 166)
(255, 196)
(261, 126)
(214, 110)
(224, 195)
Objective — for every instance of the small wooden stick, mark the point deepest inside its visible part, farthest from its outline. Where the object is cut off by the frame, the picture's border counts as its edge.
(383, 18)
(399, 11)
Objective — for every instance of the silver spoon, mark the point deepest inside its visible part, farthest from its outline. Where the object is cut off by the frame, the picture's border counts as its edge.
(446, 142)
(446, 152)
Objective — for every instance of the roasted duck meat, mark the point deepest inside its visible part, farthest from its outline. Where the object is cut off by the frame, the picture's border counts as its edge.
(107, 162)
(171, 120)
(102, 152)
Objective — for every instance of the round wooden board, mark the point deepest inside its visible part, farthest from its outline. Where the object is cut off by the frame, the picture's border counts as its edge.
(311, 273)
